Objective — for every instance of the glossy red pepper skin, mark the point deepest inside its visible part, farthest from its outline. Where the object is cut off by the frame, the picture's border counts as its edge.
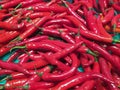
(108, 17)
(10, 4)
(36, 85)
(54, 8)
(114, 49)
(3, 50)
(13, 66)
(5, 71)
(64, 75)
(34, 64)
(78, 79)
(101, 28)
(106, 71)
(103, 52)
(33, 28)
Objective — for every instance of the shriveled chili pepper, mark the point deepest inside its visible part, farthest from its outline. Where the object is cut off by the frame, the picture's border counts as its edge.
(13, 66)
(78, 79)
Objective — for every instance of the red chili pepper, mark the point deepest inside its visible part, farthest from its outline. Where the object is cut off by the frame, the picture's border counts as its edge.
(38, 15)
(12, 84)
(29, 2)
(114, 21)
(23, 58)
(114, 49)
(34, 64)
(89, 58)
(3, 50)
(58, 21)
(105, 70)
(78, 79)
(36, 85)
(88, 85)
(55, 8)
(96, 67)
(108, 17)
(9, 26)
(10, 4)
(117, 6)
(5, 71)
(101, 28)
(67, 38)
(103, 5)
(8, 35)
(35, 57)
(96, 37)
(76, 22)
(33, 39)
(13, 57)
(33, 28)
(13, 66)
(64, 75)
(60, 15)
(74, 13)
(103, 52)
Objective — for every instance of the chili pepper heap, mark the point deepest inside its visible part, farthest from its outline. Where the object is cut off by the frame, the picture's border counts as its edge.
(60, 44)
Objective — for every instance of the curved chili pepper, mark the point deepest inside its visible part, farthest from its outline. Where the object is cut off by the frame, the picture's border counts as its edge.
(13, 56)
(74, 13)
(116, 6)
(101, 28)
(13, 66)
(103, 52)
(23, 58)
(105, 70)
(91, 23)
(108, 17)
(78, 79)
(64, 75)
(114, 49)
(90, 62)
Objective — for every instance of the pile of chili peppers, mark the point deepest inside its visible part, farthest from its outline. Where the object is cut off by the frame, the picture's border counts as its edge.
(60, 45)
